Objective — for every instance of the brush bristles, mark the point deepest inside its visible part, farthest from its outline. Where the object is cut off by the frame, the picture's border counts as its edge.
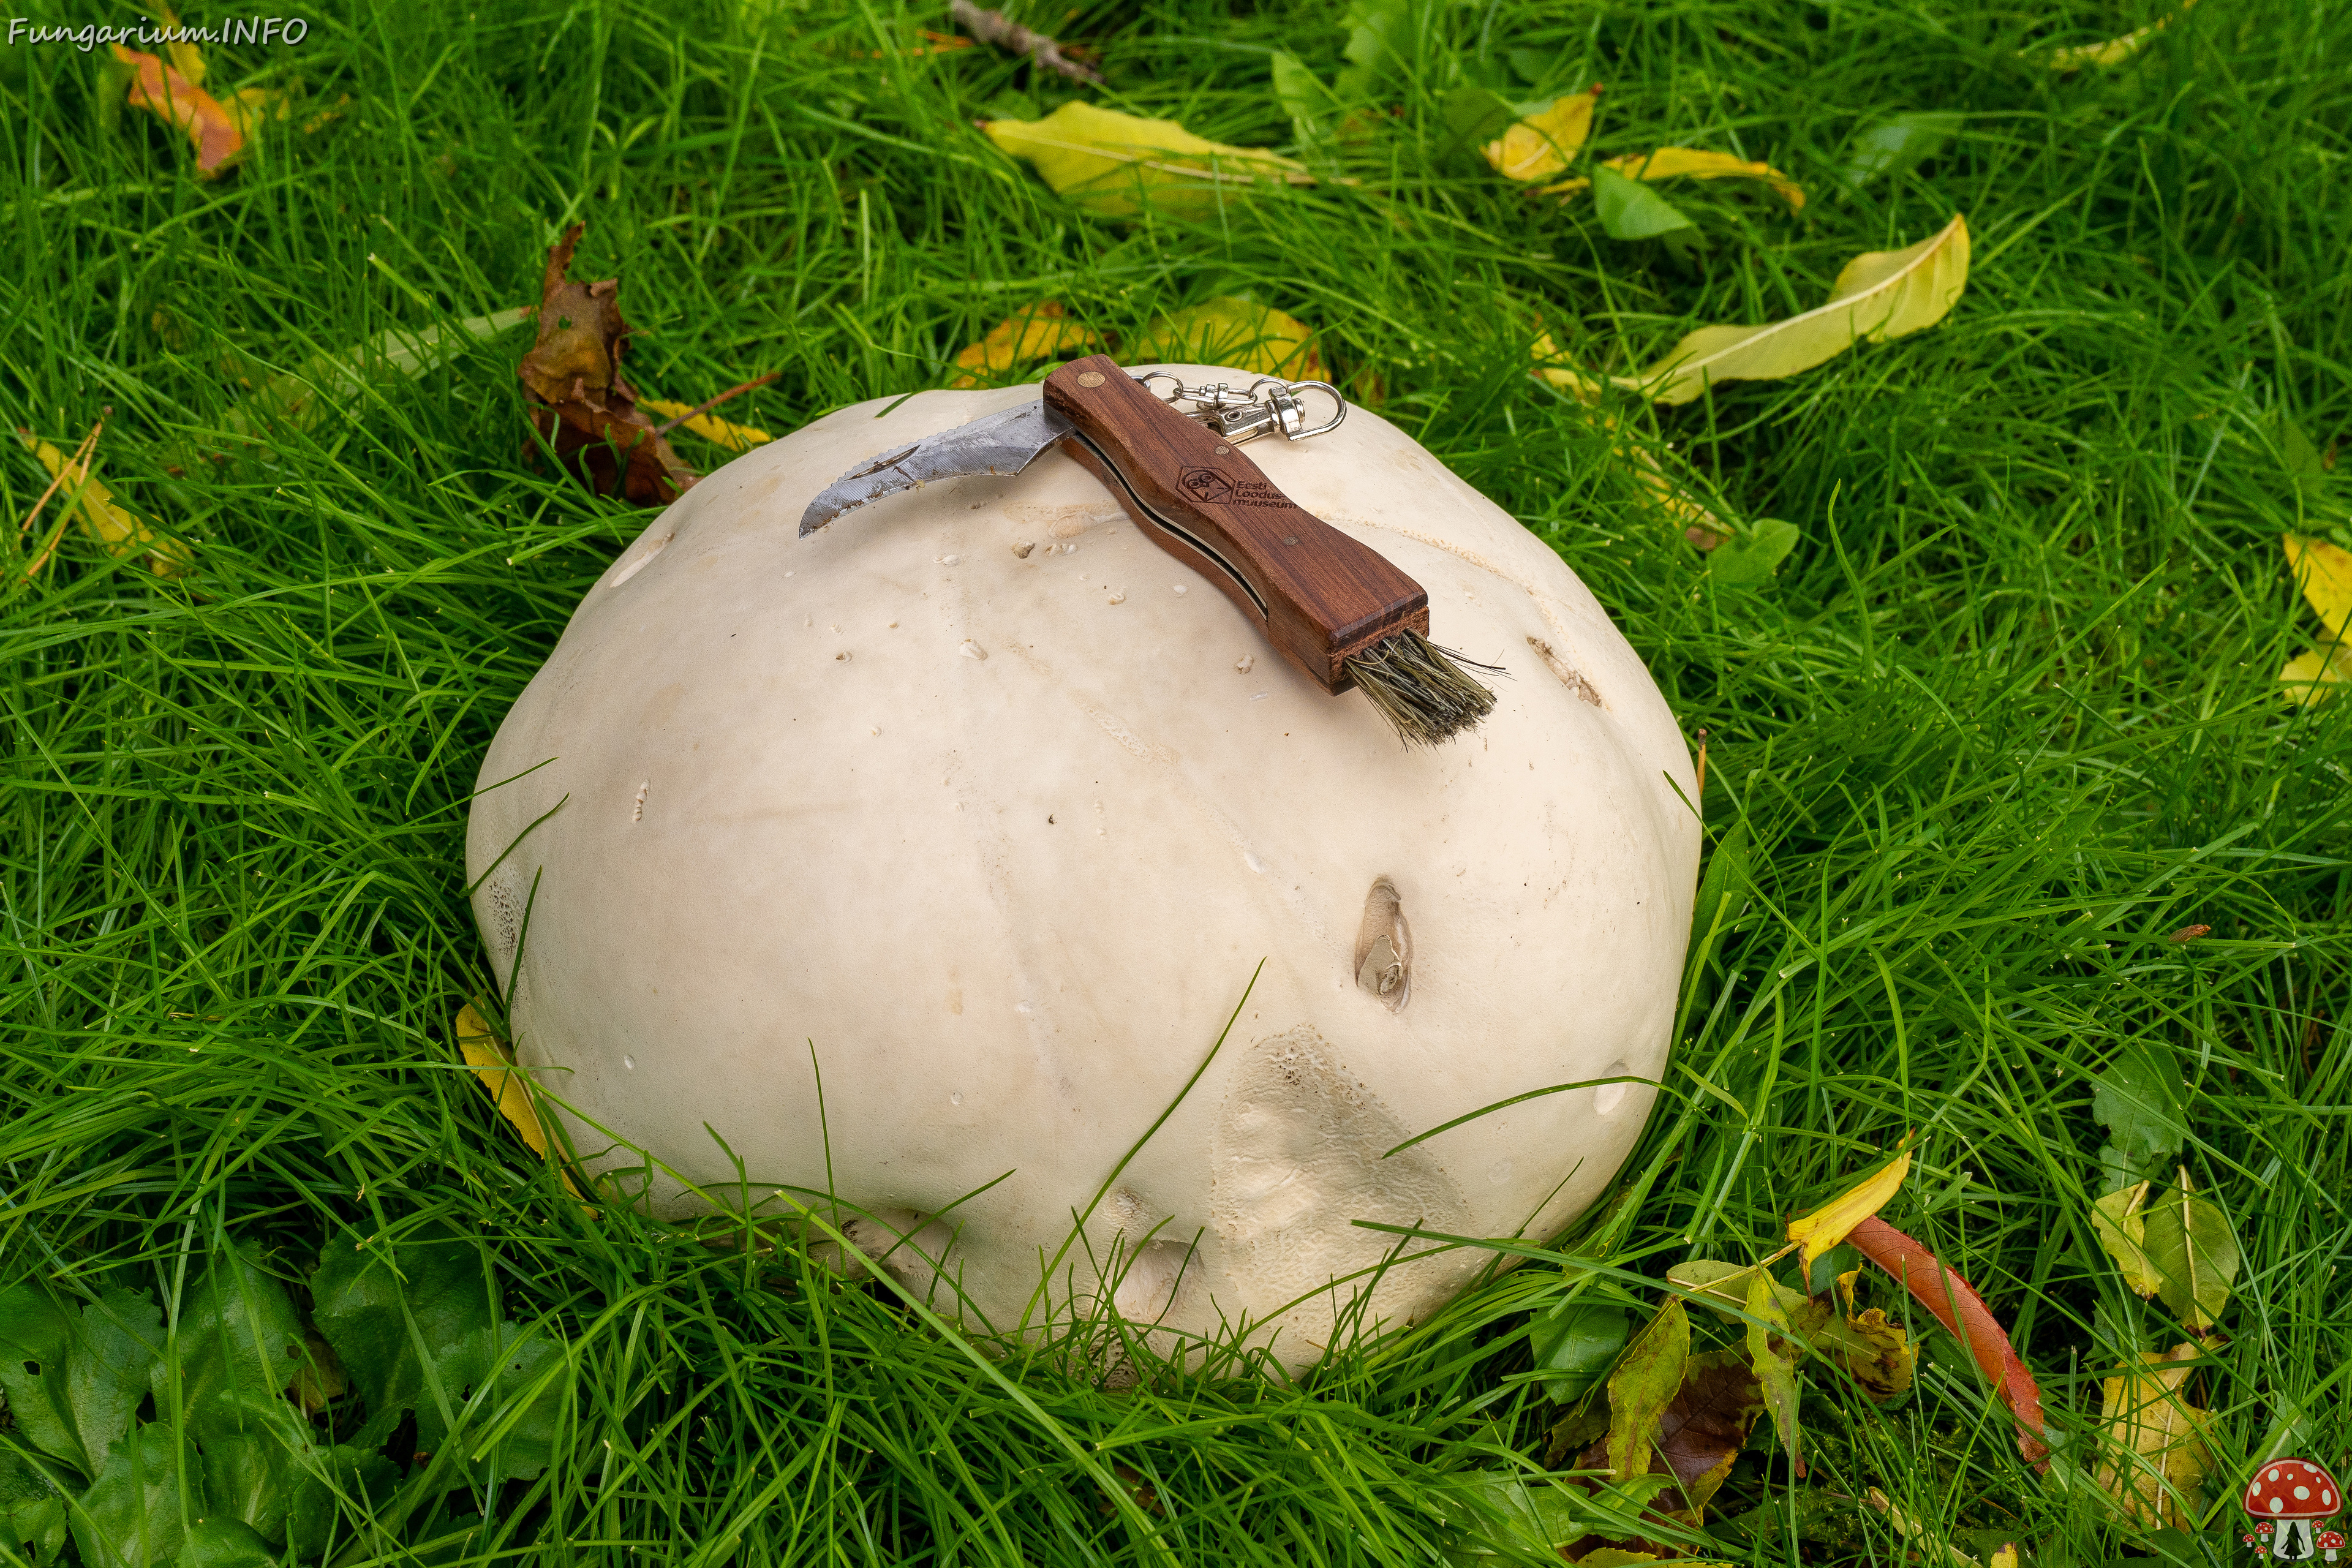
(1422, 689)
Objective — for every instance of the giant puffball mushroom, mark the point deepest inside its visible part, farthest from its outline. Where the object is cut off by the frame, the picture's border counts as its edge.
(2292, 1493)
(984, 808)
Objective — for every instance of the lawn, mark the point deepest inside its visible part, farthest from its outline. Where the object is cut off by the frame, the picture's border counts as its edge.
(2007, 719)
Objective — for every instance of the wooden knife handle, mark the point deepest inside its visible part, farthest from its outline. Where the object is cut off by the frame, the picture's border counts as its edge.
(1321, 596)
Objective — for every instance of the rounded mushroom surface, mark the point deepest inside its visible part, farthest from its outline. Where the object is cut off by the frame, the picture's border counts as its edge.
(937, 805)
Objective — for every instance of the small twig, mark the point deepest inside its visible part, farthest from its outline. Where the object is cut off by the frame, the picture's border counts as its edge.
(77, 467)
(1701, 762)
(73, 464)
(701, 408)
(995, 27)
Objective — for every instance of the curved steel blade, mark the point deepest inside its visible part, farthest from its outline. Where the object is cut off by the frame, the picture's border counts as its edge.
(1003, 443)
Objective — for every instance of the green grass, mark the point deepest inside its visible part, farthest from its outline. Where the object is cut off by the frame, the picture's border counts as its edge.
(2006, 718)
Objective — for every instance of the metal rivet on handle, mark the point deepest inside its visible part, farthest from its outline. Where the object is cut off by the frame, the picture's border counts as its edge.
(1090, 378)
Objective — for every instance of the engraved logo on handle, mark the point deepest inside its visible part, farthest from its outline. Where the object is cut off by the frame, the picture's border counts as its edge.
(1204, 484)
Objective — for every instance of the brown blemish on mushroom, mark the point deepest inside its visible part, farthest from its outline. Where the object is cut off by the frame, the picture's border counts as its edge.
(1569, 675)
(1385, 947)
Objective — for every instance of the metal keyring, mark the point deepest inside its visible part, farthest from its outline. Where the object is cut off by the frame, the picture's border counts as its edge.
(1339, 404)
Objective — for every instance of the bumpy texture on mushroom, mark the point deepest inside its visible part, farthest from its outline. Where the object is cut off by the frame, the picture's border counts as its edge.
(1004, 835)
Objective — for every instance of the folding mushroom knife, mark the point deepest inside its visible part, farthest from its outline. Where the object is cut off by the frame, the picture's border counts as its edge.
(1322, 598)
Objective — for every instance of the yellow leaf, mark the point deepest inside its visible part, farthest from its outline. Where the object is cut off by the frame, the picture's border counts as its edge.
(503, 1082)
(1690, 162)
(2122, 1230)
(1226, 330)
(186, 59)
(1876, 1352)
(2005, 1556)
(1831, 1224)
(1116, 164)
(2312, 677)
(1043, 331)
(718, 431)
(160, 89)
(1540, 146)
(119, 531)
(2157, 1454)
(2115, 51)
(2323, 573)
(1611, 1557)
(1648, 473)
(1881, 294)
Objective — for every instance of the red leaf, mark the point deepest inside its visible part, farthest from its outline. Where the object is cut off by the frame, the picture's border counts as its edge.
(164, 92)
(1962, 1311)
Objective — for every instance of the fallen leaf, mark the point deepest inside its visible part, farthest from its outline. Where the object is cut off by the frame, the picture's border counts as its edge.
(2122, 1231)
(1965, 1316)
(1692, 163)
(1575, 1344)
(2312, 677)
(711, 428)
(1541, 145)
(119, 531)
(1773, 1359)
(580, 402)
(2115, 51)
(1043, 331)
(1880, 295)
(2323, 573)
(1899, 143)
(163, 91)
(1874, 1351)
(2004, 1555)
(2154, 1436)
(1722, 1288)
(1610, 1557)
(2136, 1097)
(2194, 1255)
(1227, 330)
(503, 1082)
(1647, 1378)
(1827, 1226)
(1302, 93)
(1744, 560)
(1116, 164)
(1697, 1435)
(1628, 209)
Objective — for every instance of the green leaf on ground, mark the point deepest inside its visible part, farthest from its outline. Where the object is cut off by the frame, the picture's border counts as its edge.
(1646, 1382)
(135, 1515)
(32, 1511)
(1773, 1359)
(217, 1543)
(2138, 1097)
(1577, 1342)
(1899, 143)
(2194, 1255)
(406, 1344)
(1744, 560)
(1628, 209)
(34, 1334)
(239, 1334)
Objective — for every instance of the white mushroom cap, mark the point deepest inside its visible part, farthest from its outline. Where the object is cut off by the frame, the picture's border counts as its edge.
(1003, 847)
